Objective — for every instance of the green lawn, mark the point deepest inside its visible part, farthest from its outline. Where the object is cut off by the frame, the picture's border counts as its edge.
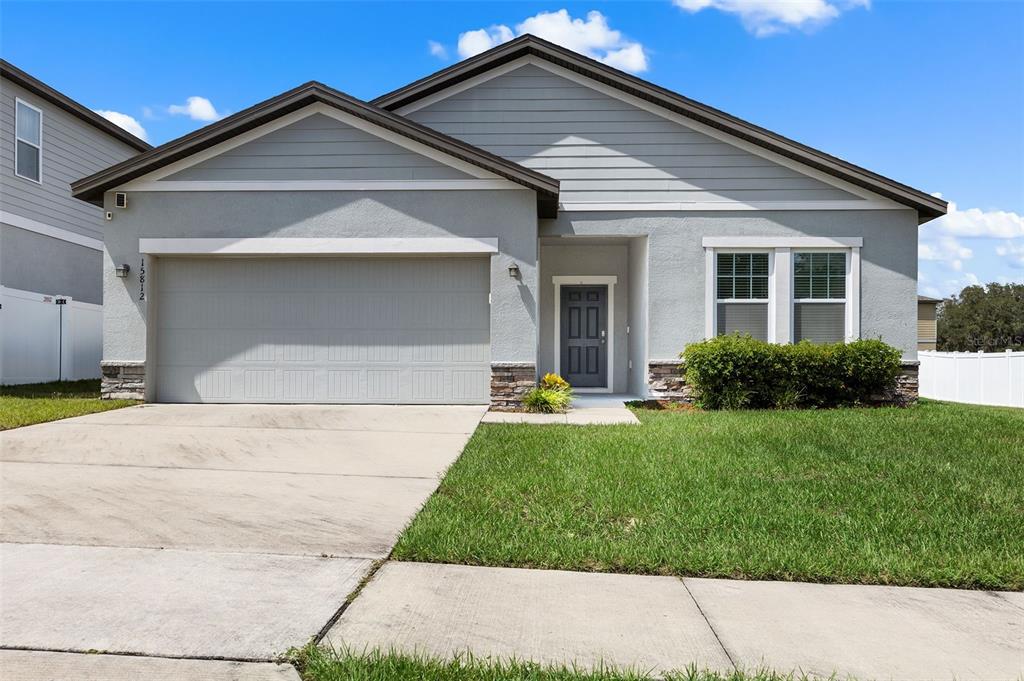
(316, 664)
(930, 495)
(23, 405)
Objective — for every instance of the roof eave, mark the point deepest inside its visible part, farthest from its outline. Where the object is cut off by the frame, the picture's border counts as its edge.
(927, 206)
(92, 188)
(59, 99)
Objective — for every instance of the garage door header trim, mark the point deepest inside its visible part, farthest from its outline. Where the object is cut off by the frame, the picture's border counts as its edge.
(322, 246)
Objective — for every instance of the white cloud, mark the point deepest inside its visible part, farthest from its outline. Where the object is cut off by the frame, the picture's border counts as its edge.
(125, 121)
(196, 108)
(974, 222)
(591, 37)
(437, 49)
(768, 17)
(957, 284)
(945, 249)
(1013, 252)
(988, 243)
(472, 43)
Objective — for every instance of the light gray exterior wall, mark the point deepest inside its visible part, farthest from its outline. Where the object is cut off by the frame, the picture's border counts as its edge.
(636, 312)
(319, 148)
(572, 258)
(676, 264)
(606, 150)
(42, 264)
(72, 149)
(509, 215)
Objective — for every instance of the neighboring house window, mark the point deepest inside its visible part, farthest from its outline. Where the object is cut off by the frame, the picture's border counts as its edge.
(28, 142)
(742, 294)
(819, 296)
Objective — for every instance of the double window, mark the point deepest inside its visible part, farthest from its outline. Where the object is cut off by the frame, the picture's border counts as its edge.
(28, 141)
(784, 293)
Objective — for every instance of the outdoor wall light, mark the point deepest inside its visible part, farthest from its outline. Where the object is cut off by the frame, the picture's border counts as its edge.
(122, 271)
(513, 271)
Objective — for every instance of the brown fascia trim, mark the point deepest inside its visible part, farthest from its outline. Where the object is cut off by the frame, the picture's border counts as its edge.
(928, 206)
(91, 188)
(41, 89)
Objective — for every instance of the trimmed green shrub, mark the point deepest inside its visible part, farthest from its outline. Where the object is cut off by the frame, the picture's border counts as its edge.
(739, 372)
(552, 395)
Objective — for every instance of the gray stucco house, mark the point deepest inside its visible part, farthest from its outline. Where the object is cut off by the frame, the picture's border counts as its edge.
(50, 244)
(524, 211)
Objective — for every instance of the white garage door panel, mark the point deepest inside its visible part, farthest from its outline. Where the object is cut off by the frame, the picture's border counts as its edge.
(401, 330)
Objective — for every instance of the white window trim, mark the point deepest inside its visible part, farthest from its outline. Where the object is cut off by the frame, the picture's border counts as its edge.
(39, 147)
(780, 279)
(711, 282)
(801, 242)
(586, 280)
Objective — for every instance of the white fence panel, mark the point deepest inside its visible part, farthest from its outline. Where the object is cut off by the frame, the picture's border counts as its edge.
(994, 378)
(84, 339)
(41, 340)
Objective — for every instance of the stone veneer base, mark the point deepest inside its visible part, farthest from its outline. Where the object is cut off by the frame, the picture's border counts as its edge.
(906, 391)
(123, 380)
(665, 381)
(509, 382)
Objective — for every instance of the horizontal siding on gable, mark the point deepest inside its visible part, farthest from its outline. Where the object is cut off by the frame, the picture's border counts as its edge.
(603, 149)
(318, 148)
(72, 149)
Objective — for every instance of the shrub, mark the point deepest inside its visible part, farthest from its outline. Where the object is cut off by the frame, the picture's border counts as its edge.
(554, 382)
(737, 372)
(552, 395)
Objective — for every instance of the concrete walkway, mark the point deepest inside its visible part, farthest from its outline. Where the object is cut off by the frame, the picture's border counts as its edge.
(590, 409)
(663, 623)
(225, 531)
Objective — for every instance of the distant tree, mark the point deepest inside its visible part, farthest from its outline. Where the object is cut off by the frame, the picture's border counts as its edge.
(987, 318)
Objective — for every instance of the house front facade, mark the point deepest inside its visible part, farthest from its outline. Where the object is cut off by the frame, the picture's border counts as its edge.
(50, 243)
(527, 210)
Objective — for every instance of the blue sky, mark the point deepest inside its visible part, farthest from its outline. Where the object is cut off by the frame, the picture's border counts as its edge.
(928, 93)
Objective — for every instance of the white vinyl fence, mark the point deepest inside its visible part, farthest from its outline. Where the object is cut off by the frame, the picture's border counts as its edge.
(995, 378)
(43, 339)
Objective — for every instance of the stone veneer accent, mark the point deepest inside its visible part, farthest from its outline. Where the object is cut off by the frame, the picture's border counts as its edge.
(905, 392)
(509, 382)
(665, 382)
(123, 380)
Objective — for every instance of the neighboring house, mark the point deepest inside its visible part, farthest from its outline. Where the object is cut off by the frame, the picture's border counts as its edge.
(50, 244)
(524, 211)
(927, 332)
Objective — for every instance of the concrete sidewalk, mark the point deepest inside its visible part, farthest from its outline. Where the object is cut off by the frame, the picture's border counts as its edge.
(664, 623)
(35, 665)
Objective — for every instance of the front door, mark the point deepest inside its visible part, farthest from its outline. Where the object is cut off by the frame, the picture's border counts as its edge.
(584, 336)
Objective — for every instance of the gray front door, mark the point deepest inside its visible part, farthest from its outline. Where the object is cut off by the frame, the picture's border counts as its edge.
(584, 318)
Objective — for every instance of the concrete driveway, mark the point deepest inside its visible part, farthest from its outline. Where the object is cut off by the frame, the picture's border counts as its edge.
(207, 530)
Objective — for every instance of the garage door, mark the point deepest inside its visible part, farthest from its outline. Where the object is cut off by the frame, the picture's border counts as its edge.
(374, 330)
